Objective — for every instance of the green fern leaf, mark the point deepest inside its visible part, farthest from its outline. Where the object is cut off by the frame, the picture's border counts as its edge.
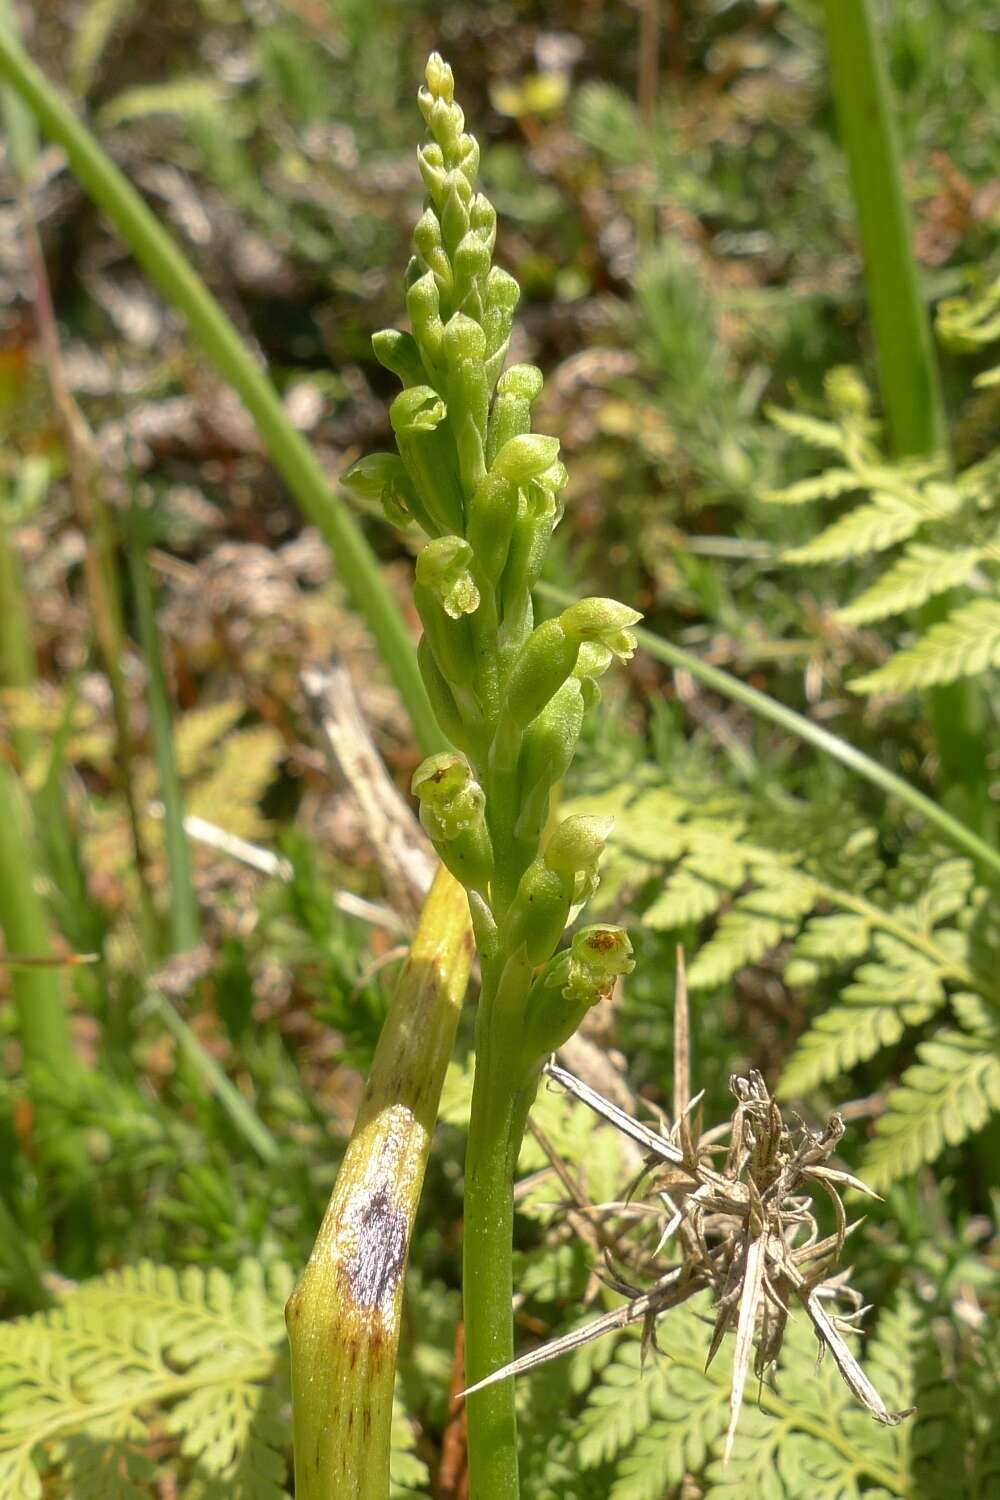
(810, 430)
(884, 520)
(200, 731)
(826, 486)
(756, 924)
(78, 1385)
(965, 644)
(943, 1098)
(901, 987)
(920, 574)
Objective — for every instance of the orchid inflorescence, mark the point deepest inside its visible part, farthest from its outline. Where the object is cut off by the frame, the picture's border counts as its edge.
(486, 492)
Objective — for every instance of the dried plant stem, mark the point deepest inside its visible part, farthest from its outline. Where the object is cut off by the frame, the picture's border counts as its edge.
(343, 1317)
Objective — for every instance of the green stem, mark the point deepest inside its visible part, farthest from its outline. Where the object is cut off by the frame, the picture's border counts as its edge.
(904, 347)
(52, 1068)
(292, 456)
(185, 921)
(487, 1277)
(18, 668)
(953, 829)
(908, 376)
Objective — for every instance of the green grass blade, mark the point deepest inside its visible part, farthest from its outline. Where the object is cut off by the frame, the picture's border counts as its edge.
(185, 921)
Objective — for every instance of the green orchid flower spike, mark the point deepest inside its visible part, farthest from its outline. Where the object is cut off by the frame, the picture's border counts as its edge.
(509, 694)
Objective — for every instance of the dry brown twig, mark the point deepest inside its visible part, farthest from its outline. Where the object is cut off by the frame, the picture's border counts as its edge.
(745, 1228)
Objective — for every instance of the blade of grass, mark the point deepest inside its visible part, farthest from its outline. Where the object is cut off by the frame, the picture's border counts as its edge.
(953, 829)
(292, 456)
(904, 347)
(249, 1124)
(52, 1068)
(185, 921)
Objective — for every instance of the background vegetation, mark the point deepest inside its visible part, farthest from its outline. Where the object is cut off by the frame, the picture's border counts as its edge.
(686, 240)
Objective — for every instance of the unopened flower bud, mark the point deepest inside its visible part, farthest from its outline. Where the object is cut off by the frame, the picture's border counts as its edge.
(605, 621)
(444, 567)
(492, 512)
(546, 756)
(575, 849)
(578, 843)
(427, 239)
(398, 352)
(423, 307)
(468, 158)
(440, 78)
(500, 299)
(471, 262)
(452, 811)
(539, 911)
(545, 661)
(521, 380)
(483, 220)
(430, 160)
(526, 456)
(455, 210)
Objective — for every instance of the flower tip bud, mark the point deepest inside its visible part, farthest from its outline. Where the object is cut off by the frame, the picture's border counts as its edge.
(577, 843)
(440, 78)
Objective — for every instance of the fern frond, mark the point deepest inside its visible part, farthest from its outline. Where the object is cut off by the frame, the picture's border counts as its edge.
(810, 430)
(920, 574)
(829, 485)
(946, 1096)
(805, 1437)
(79, 1384)
(245, 768)
(753, 926)
(884, 520)
(967, 643)
(199, 731)
(903, 987)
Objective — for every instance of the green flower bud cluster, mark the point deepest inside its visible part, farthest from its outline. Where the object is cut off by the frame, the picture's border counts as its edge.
(486, 492)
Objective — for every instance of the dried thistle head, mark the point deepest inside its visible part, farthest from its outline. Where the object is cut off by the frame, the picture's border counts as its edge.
(732, 1210)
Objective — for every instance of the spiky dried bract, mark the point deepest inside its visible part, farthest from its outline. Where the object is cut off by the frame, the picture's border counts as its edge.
(743, 1228)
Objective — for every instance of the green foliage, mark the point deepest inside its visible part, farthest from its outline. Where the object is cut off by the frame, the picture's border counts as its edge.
(801, 886)
(81, 1385)
(192, 1359)
(948, 529)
